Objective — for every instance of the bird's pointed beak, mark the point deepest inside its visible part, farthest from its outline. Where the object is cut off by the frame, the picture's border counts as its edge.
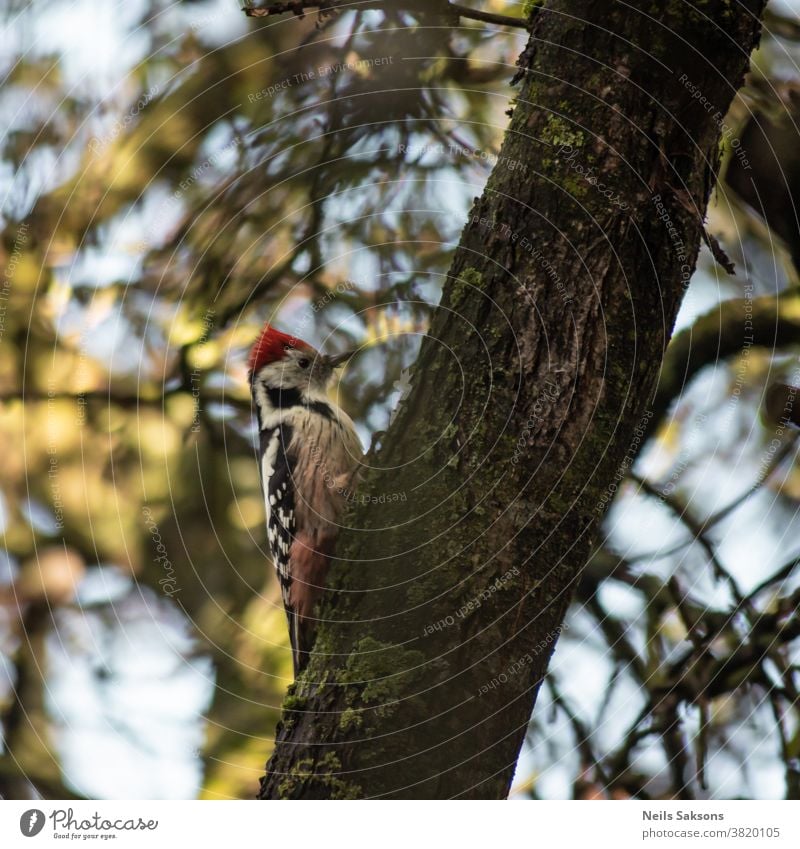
(336, 360)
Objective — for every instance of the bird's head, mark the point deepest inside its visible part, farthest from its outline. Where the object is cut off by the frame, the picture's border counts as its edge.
(279, 361)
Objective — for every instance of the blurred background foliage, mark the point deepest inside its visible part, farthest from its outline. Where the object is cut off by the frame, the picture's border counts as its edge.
(173, 174)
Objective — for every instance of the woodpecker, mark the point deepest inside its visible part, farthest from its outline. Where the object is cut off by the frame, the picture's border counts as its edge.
(309, 452)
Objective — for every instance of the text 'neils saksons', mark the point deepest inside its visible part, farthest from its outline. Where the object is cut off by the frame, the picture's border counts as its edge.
(680, 815)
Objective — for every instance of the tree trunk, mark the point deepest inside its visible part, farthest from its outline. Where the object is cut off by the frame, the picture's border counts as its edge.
(529, 396)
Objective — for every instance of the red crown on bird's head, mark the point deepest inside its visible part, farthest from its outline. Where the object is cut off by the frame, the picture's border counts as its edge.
(271, 346)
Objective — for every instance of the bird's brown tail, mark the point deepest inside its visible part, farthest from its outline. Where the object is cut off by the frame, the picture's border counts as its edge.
(310, 560)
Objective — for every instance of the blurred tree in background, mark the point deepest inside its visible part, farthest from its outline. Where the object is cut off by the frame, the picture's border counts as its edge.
(173, 174)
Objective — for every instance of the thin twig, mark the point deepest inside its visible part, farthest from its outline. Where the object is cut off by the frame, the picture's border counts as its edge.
(717, 517)
(692, 623)
(701, 752)
(698, 531)
(780, 576)
(579, 729)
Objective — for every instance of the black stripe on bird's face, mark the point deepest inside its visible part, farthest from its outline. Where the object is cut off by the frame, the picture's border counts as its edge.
(282, 398)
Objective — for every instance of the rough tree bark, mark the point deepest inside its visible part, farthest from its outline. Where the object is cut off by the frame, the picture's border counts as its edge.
(528, 397)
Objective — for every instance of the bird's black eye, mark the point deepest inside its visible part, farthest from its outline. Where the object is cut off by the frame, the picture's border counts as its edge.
(304, 363)
(288, 347)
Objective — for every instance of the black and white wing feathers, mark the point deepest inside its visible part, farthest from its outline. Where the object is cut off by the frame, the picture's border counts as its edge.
(277, 471)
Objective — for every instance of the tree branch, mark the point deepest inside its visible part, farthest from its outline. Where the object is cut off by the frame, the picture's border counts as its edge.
(721, 333)
(489, 17)
(256, 9)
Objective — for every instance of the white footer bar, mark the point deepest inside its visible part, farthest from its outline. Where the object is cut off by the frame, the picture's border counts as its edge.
(237, 825)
